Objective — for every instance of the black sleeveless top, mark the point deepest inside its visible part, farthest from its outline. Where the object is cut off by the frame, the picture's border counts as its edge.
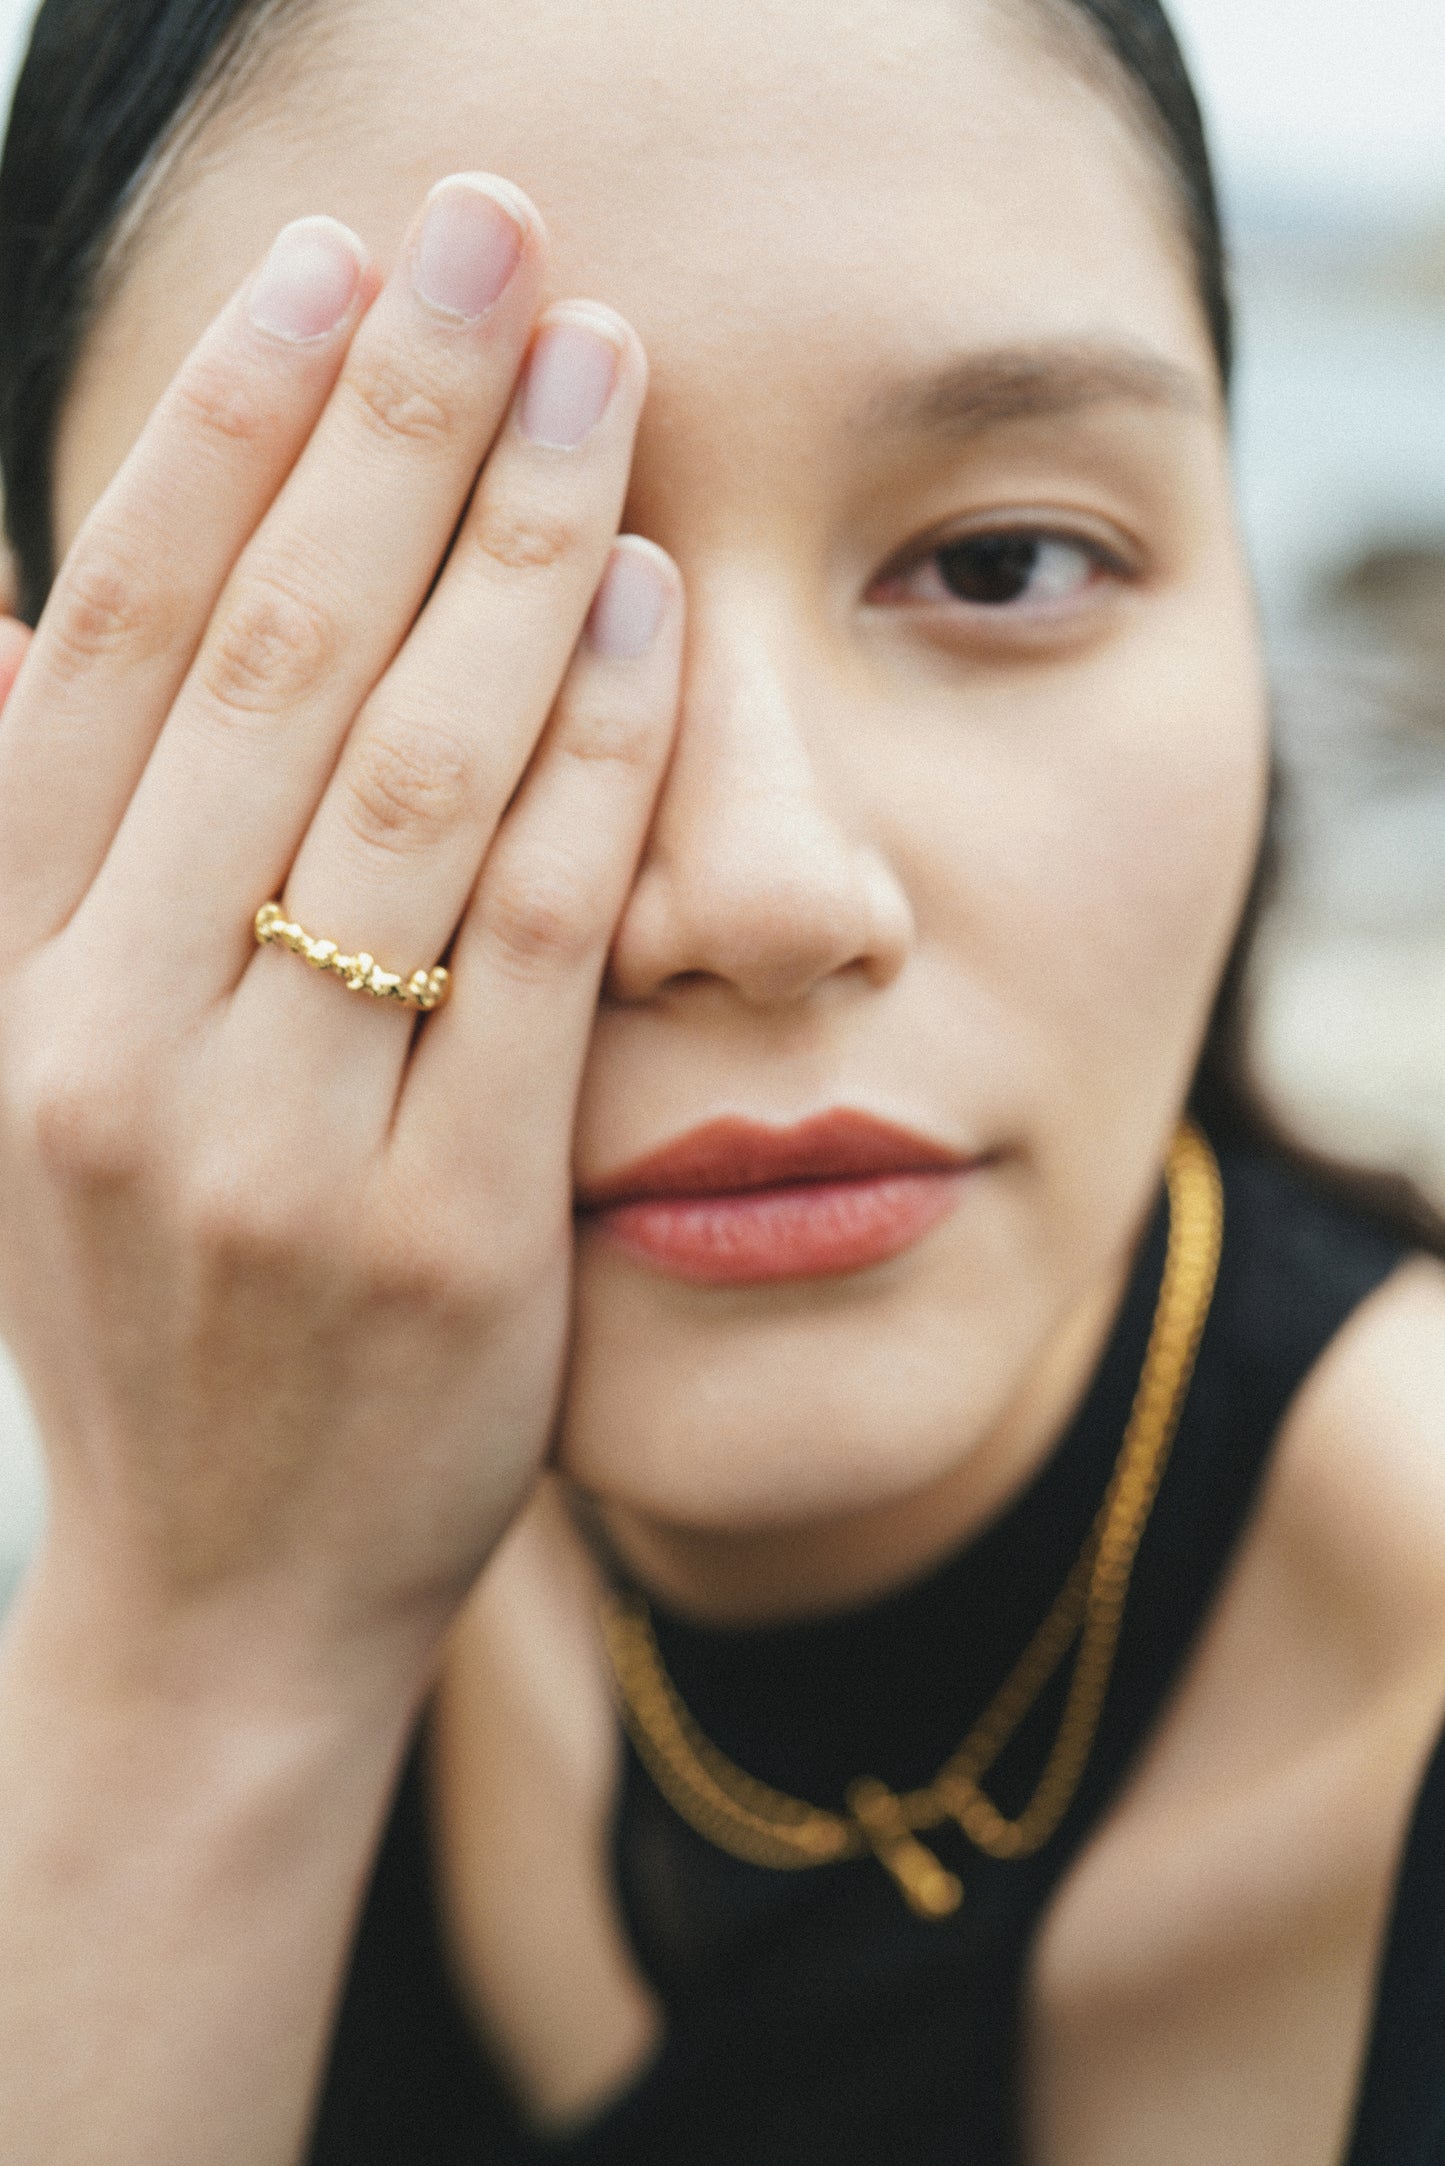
(813, 2020)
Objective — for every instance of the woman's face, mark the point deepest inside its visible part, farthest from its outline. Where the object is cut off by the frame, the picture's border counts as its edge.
(958, 840)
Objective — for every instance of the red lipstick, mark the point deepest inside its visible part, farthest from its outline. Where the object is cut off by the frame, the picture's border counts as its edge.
(737, 1203)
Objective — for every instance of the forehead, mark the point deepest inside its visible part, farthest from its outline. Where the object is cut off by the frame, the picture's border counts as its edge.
(786, 194)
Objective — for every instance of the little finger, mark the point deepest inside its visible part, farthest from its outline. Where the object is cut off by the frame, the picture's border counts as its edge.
(491, 1092)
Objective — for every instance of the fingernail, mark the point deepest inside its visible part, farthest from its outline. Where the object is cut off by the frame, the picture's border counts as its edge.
(469, 246)
(630, 605)
(308, 284)
(570, 380)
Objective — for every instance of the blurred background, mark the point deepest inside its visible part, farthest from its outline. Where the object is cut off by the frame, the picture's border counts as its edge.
(1328, 119)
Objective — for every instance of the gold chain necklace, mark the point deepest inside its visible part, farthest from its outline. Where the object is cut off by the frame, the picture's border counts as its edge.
(766, 1827)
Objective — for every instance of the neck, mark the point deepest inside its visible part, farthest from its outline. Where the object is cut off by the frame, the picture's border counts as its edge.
(777, 1574)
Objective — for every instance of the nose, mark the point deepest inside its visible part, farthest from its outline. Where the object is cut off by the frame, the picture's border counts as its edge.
(760, 875)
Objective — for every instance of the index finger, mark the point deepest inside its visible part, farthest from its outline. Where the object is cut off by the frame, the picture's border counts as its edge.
(128, 611)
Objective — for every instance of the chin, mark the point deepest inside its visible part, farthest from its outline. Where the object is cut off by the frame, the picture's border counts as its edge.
(709, 1480)
(752, 1411)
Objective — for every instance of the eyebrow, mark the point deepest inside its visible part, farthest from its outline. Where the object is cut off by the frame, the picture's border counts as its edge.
(1043, 381)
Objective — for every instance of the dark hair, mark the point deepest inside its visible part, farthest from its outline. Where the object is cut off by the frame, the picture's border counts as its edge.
(107, 83)
(104, 87)
(1137, 39)
(110, 86)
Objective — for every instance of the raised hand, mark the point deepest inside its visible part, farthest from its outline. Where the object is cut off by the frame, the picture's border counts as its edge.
(287, 1270)
(287, 1267)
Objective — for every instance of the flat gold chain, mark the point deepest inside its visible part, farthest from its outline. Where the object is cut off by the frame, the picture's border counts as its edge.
(767, 1827)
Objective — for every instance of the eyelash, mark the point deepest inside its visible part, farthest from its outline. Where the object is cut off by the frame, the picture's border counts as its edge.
(998, 558)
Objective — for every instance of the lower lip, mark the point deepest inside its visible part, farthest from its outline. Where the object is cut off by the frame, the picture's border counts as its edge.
(815, 1229)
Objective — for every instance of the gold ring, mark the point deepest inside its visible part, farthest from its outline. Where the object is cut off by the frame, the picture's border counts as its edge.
(424, 990)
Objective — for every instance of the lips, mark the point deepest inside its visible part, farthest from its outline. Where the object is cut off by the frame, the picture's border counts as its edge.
(737, 1203)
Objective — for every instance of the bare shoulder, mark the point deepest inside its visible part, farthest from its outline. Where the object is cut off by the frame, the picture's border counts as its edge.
(1314, 1689)
(1220, 1935)
(1357, 1502)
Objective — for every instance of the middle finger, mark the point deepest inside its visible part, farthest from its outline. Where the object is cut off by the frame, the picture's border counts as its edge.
(392, 856)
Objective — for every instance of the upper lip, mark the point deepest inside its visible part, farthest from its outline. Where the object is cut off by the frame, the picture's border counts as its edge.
(733, 1155)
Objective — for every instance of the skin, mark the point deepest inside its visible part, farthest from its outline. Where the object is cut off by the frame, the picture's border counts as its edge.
(977, 877)
(303, 1332)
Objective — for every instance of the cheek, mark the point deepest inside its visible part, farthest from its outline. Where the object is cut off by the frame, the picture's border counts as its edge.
(1098, 848)
(1173, 791)
(1076, 848)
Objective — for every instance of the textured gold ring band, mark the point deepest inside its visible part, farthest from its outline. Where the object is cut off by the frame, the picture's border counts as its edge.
(424, 990)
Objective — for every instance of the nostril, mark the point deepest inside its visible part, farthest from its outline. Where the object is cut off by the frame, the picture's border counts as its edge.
(765, 893)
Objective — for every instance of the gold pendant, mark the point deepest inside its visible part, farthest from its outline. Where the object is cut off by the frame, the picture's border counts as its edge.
(928, 1888)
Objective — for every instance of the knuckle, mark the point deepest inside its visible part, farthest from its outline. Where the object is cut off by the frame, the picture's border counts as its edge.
(217, 406)
(240, 1225)
(537, 921)
(615, 733)
(417, 1273)
(517, 537)
(391, 402)
(83, 1117)
(443, 1254)
(466, 1286)
(273, 646)
(107, 607)
(406, 784)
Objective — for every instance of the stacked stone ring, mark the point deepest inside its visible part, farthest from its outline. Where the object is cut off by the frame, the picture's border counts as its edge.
(424, 990)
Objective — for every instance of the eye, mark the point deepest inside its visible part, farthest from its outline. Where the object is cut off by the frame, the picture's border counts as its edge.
(999, 568)
(1017, 569)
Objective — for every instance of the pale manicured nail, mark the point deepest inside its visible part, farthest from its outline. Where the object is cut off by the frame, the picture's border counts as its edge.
(571, 378)
(630, 604)
(469, 245)
(307, 286)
